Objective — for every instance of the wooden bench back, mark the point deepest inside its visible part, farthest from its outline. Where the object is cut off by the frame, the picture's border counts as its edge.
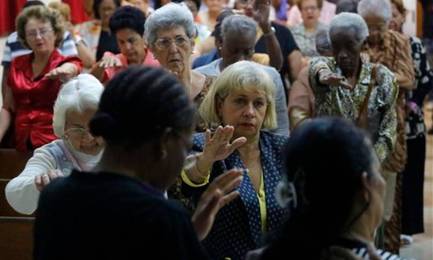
(12, 163)
(16, 238)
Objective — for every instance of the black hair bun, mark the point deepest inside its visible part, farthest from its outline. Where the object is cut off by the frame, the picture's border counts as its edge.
(102, 124)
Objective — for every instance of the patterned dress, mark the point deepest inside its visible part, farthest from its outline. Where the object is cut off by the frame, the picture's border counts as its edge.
(413, 175)
(338, 101)
(238, 227)
(307, 40)
(395, 53)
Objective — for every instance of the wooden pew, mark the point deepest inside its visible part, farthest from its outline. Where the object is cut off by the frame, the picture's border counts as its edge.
(16, 238)
(16, 230)
(12, 163)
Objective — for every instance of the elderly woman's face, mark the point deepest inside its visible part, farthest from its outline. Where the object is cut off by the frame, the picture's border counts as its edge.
(346, 49)
(173, 49)
(397, 19)
(237, 47)
(377, 27)
(310, 12)
(77, 132)
(245, 110)
(40, 36)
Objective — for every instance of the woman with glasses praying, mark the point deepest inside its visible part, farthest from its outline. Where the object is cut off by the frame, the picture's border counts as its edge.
(35, 79)
(76, 148)
(170, 33)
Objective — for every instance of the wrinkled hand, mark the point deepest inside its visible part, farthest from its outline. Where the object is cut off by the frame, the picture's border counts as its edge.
(261, 13)
(109, 61)
(43, 180)
(219, 193)
(64, 72)
(219, 145)
(332, 79)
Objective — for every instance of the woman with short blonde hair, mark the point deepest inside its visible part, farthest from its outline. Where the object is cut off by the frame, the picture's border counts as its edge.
(244, 76)
(241, 104)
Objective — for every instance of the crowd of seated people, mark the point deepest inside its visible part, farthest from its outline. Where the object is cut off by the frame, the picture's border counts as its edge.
(150, 136)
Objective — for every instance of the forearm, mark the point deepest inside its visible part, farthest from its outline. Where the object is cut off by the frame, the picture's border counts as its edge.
(4, 80)
(5, 121)
(274, 50)
(201, 170)
(295, 64)
(21, 192)
(85, 55)
(98, 72)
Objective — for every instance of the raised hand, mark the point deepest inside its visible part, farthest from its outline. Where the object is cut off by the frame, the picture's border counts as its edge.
(329, 78)
(219, 193)
(109, 61)
(261, 11)
(220, 145)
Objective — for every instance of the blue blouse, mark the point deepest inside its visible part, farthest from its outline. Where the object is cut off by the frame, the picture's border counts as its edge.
(237, 227)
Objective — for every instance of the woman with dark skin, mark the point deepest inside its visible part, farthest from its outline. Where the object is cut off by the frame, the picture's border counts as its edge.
(338, 195)
(119, 210)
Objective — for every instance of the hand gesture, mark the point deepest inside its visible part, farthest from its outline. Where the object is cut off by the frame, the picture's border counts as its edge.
(43, 180)
(261, 14)
(329, 78)
(109, 61)
(219, 193)
(64, 72)
(219, 146)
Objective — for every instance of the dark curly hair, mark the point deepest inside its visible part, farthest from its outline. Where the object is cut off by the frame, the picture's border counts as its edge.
(127, 17)
(138, 105)
(325, 159)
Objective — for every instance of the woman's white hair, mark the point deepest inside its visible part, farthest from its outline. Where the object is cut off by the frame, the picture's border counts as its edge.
(79, 94)
(242, 75)
(169, 16)
(344, 22)
(376, 8)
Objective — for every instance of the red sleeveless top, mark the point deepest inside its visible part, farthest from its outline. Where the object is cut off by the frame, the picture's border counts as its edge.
(34, 99)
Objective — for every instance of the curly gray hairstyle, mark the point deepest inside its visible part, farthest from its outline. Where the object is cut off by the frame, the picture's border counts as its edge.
(80, 93)
(167, 17)
(239, 24)
(376, 8)
(349, 21)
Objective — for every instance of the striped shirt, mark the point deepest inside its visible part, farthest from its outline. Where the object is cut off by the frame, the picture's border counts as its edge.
(14, 48)
(384, 255)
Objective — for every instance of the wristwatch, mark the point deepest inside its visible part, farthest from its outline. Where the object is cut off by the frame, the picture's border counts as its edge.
(271, 31)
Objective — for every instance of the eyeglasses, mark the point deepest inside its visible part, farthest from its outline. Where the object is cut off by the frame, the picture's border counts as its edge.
(310, 8)
(33, 34)
(78, 133)
(165, 43)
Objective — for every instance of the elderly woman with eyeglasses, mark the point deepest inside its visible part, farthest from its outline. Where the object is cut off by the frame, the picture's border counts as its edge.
(35, 79)
(170, 33)
(393, 50)
(76, 149)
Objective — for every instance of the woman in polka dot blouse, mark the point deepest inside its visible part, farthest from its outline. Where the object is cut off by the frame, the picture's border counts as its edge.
(241, 103)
